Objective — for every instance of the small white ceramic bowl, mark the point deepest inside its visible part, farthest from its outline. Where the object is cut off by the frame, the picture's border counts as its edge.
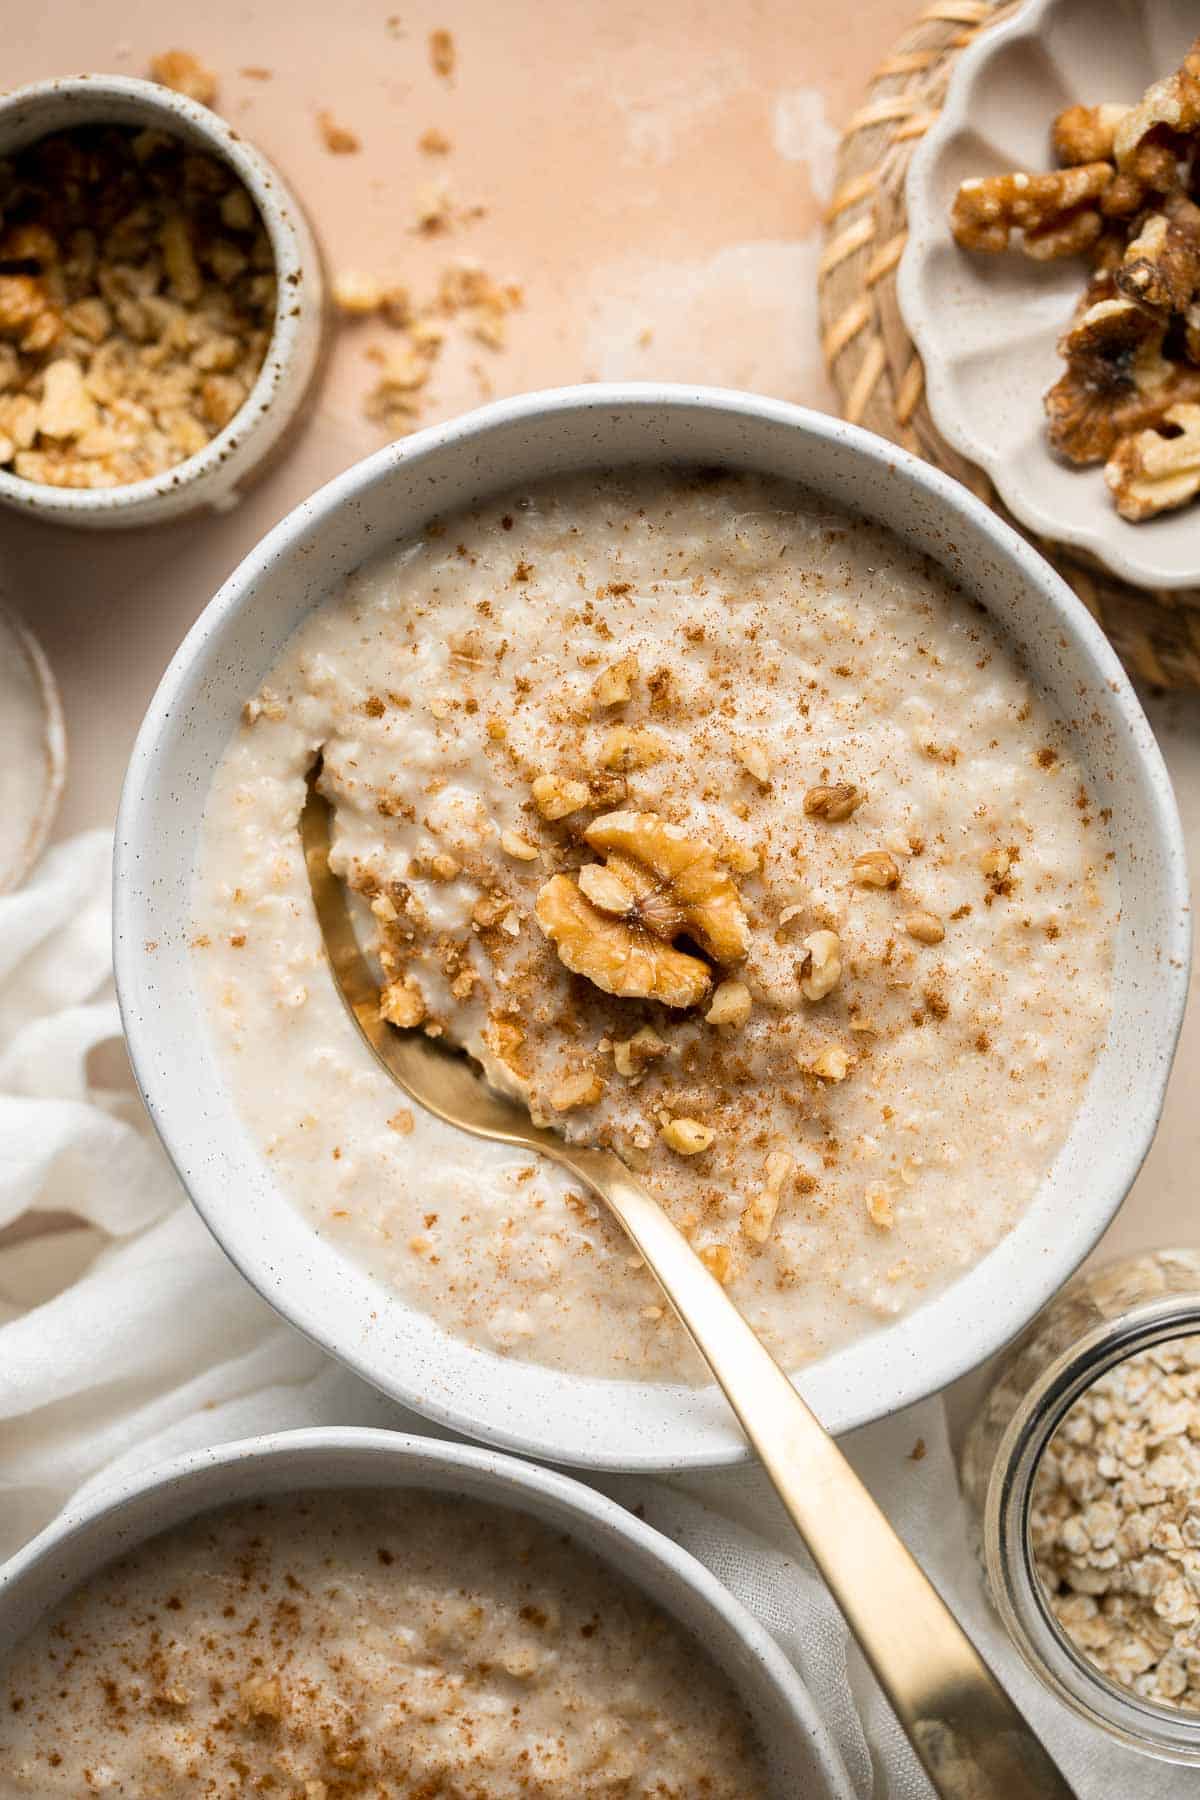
(213, 478)
(87, 1536)
(988, 327)
(542, 1412)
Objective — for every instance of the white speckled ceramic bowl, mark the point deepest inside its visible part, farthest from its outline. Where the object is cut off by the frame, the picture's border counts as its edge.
(215, 476)
(800, 1758)
(574, 1418)
(987, 326)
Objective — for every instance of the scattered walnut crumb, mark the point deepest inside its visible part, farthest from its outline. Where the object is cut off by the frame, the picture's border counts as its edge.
(402, 1003)
(876, 869)
(573, 1091)
(434, 143)
(513, 844)
(401, 1122)
(631, 1055)
(833, 1063)
(821, 969)
(879, 1208)
(442, 53)
(614, 685)
(731, 1004)
(754, 759)
(925, 927)
(718, 1260)
(186, 74)
(556, 797)
(339, 140)
(357, 294)
(833, 803)
(687, 1137)
(758, 1217)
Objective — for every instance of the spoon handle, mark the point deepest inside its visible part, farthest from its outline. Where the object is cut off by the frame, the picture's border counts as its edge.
(969, 1736)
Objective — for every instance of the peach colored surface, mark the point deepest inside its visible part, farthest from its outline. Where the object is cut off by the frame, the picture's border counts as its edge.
(652, 177)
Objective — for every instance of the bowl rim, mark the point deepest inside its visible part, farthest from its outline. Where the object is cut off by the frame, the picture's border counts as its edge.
(1108, 540)
(508, 1482)
(277, 209)
(898, 1385)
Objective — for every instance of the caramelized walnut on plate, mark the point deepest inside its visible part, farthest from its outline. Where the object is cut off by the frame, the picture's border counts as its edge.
(1052, 277)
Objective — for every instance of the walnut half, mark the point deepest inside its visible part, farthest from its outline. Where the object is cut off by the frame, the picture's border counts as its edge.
(1150, 473)
(616, 922)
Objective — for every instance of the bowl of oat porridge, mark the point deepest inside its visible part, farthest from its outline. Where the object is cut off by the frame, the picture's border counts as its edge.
(329, 1612)
(161, 301)
(744, 796)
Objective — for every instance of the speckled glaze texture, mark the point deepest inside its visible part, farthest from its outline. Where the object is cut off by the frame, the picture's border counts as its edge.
(33, 745)
(987, 326)
(574, 1418)
(213, 478)
(799, 1756)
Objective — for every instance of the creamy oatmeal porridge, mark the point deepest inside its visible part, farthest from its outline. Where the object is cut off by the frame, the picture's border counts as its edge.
(725, 830)
(335, 1645)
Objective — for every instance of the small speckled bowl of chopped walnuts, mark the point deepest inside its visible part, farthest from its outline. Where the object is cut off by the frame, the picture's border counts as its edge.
(161, 304)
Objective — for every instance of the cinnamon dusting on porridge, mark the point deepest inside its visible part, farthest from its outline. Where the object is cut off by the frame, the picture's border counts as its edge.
(328, 1646)
(724, 831)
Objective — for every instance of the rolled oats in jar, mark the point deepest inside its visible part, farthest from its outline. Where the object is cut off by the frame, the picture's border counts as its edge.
(1083, 1470)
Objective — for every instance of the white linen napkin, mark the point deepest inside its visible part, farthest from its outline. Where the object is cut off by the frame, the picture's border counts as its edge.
(130, 1338)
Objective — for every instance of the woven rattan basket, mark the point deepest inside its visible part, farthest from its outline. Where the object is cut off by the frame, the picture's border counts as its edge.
(873, 361)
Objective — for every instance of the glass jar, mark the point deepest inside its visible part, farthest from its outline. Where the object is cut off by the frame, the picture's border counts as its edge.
(1102, 1317)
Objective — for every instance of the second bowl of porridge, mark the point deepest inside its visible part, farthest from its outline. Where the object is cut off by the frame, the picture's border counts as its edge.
(745, 797)
(330, 1613)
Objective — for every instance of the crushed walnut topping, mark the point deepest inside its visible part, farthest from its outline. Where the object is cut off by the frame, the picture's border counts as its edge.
(821, 968)
(835, 804)
(1115, 1523)
(137, 300)
(555, 797)
(687, 1137)
(1125, 200)
(758, 1216)
(185, 74)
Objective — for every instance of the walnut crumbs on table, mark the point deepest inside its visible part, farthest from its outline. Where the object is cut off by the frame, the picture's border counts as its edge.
(1125, 199)
(1115, 1523)
(137, 300)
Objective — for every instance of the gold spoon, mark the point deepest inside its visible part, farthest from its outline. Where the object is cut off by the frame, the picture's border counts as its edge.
(970, 1737)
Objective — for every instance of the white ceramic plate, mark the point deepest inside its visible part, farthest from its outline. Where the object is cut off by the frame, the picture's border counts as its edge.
(987, 326)
(33, 750)
(800, 1758)
(585, 1419)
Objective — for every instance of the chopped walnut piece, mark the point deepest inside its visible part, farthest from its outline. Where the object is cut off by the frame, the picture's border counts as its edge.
(996, 863)
(687, 1137)
(1057, 214)
(678, 883)
(833, 1063)
(489, 910)
(67, 409)
(357, 294)
(402, 1003)
(262, 1697)
(740, 857)
(628, 747)
(1161, 265)
(1084, 134)
(1151, 472)
(434, 142)
(605, 890)
(925, 927)
(879, 1208)
(186, 74)
(821, 969)
(758, 1216)
(617, 957)
(876, 869)
(555, 797)
(513, 844)
(833, 803)
(337, 139)
(444, 867)
(631, 1055)
(614, 685)
(754, 759)
(718, 1260)
(573, 1091)
(731, 1004)
(1173, 102)
(1117, 380)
